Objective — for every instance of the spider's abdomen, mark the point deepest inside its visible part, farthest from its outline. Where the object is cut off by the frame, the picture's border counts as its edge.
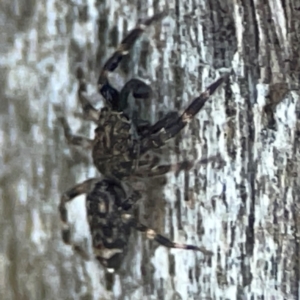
(110, 234)
(115, 144)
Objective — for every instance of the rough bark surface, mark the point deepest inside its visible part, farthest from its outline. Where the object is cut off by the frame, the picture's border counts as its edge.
(245, 209)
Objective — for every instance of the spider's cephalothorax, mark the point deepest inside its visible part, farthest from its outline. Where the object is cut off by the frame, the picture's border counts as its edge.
(109, 204)
(121, 150)
(122, 146)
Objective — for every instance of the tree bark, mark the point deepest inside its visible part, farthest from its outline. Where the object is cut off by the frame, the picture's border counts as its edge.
(243, 207)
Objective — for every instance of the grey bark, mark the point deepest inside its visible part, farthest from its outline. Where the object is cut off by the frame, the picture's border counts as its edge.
(245, 210)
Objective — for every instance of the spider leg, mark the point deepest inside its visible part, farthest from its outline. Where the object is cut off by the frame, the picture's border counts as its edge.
(159, 170)
(75, 140)
(152, 235)
(142, 126)
(147, 171)
(118, 101)
(164, 122)
(153, 171)
(69, 195)
(139, 90)
(89, 111)
(107, 91)
(173, 128)
(126, 44)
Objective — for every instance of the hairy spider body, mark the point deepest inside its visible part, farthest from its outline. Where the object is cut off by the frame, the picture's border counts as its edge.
(110, 230)
(122, 150)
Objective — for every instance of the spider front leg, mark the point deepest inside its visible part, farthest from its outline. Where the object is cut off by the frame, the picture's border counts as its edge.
(75, 140)
(119, 101)
(125, 45)
(89, 111)
(69, 195)
(145, 170)
(171, 129)
(111, 95)
(151, 234)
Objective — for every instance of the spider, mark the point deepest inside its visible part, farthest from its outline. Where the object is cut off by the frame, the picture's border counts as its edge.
(123, 150)
(122, 146)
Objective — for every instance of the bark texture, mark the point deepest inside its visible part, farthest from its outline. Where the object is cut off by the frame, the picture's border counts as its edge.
(243, 207)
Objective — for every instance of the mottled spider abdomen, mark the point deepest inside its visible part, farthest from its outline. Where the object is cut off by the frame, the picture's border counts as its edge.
(109, 230)
(109, 203)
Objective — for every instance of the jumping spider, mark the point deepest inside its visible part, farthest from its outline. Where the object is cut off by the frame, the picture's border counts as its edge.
(121, 151)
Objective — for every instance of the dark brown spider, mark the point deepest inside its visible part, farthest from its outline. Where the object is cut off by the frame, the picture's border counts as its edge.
(121, 151)
(121, 147)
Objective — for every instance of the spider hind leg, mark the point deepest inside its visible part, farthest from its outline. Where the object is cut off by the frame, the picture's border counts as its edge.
(69, 195)
(152, 235)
